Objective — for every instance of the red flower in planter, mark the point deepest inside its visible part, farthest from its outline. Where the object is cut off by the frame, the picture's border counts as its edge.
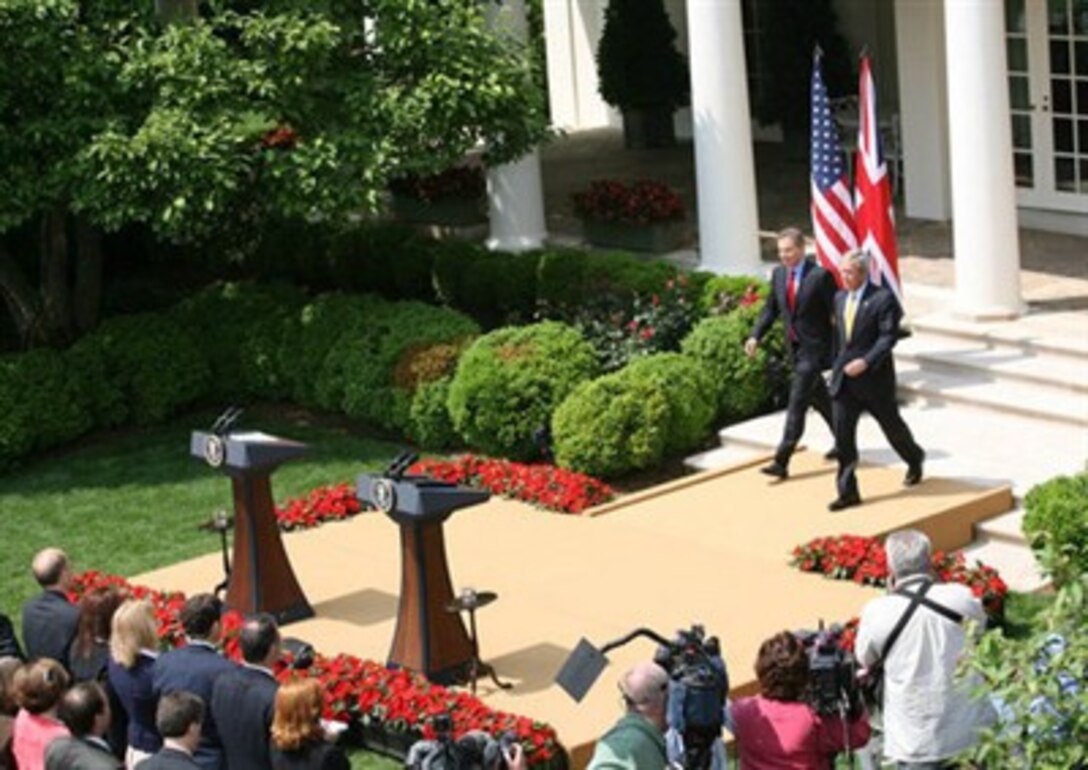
(643, 202)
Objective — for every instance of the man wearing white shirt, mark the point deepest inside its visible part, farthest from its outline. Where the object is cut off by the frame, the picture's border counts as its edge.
(930, 715)
(244, 700)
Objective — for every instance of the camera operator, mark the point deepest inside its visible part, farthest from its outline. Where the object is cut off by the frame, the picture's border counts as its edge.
(778, 730)
(916, 635)
(637, 740)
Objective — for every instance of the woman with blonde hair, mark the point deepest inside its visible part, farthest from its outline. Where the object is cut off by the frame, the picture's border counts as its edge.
(39, 686)
(299, 741)
(133, 645)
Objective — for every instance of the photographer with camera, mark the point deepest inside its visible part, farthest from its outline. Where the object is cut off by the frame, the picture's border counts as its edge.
(913, 638)
(637, 740)
(779, 729)
(475, 750)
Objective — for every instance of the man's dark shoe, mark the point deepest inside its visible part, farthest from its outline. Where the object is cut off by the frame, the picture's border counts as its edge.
(842, 503)
(914, 474)
(776, 470)
(832, 453)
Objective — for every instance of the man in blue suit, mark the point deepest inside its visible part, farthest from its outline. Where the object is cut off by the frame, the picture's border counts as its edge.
(802, 295)
(178, 719)
(863, 376)
(244, 700)
(49, 619)
(195, 668)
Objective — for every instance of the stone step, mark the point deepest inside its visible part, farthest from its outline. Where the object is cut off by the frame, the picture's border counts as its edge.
(1015, 563)
(723, 456)
(1007, 528)
(917, 382)
(980, 359)
(1037, 333)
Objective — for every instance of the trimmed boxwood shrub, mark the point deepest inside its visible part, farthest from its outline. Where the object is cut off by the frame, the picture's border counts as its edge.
(385, 258)
(723, 293)
(744, 385)
(429, 423)
(401, 346)
(689, 390)
(314, 378)
(510, 381)
(492, 286)
(40, 403)
(654, 407)
(611, 425)
(155, 364)
(1056, 523)
(241, 328)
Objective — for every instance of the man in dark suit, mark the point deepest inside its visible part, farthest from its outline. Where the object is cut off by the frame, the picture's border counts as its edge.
(194, 668)
(863, 376)
(244, 700)
(802, 295)
(85, 711)
(9, 643)
(177, 718)
(49, 619)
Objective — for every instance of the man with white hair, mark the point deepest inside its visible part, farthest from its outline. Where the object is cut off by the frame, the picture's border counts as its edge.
(863, 376)
(637, 741)
(915, 635)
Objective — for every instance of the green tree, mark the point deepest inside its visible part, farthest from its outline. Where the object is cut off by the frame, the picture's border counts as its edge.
(204, 131)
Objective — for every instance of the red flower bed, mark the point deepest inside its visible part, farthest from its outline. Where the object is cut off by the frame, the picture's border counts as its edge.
(358, 690)
(543, 485)
(862, 559)
(333, 503)
(640, 203)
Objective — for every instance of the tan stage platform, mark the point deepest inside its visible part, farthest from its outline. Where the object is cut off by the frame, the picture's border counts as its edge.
(711, 548)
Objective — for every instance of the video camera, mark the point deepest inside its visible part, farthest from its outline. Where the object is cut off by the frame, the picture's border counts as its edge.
(475, 750)
(833, 672)
(698, 685)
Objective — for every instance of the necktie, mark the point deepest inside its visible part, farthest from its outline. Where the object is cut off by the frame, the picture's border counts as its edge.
(791, 290)
(851, 311)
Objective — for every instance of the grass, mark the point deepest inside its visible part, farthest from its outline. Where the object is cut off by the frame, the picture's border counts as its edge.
(367, 760)
(131, 502)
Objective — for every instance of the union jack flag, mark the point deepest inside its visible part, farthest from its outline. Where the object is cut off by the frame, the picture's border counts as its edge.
(873, 192)
(832, 206)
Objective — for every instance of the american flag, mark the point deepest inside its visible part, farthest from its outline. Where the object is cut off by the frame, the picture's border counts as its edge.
(873, 192)
(832, 206)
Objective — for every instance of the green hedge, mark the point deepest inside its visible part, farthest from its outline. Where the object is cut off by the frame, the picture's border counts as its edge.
(656, 406)
(429, 423)
(744, 386)
(1056, 523)
(510, 381)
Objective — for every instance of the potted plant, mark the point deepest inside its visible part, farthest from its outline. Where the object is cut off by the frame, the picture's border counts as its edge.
(641, 216)
(641, 71)
(454, 197)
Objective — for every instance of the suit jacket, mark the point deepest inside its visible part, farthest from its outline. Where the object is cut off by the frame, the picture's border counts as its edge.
(315, 755)
(243, 702)
(49, 623)
(78, 754)
(168, 759)
(194, 668)
(9, 643)
(875, 332)
(808, 325)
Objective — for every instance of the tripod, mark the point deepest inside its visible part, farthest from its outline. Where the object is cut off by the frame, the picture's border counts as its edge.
(469, 601)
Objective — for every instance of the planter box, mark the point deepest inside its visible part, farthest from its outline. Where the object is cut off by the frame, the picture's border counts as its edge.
(450, 212)
(658, 237)
(648, 128)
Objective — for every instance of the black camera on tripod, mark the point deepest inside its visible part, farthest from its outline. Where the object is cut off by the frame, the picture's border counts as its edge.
(475, 750)
(833, 673)
(698, 685)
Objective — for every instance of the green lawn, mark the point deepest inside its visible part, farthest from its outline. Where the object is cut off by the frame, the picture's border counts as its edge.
(366, 760)
(131, 502)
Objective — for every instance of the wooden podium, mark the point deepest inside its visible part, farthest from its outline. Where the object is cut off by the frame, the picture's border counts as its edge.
(429, 638)
(261, 578)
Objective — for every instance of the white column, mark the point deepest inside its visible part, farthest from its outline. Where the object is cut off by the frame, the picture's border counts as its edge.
(725, 172)
(515, 191)
(923, 104)
(984, 232)
(559, 52)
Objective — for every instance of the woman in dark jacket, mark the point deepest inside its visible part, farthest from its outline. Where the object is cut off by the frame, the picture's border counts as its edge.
(133, 644)
(89, 654)
(299, 741)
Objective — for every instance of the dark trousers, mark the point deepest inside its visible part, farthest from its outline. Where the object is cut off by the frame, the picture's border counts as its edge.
(847, 408)
(807, 388)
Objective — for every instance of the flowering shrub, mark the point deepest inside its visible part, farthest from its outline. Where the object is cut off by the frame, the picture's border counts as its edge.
(641, 203)
(465, 182)
(282, 137)
(862, 559)
(332, 503)
(357, 690)
(542, 485)
(621, 328)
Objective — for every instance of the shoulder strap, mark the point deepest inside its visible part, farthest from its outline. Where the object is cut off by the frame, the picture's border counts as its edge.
(917, 598)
